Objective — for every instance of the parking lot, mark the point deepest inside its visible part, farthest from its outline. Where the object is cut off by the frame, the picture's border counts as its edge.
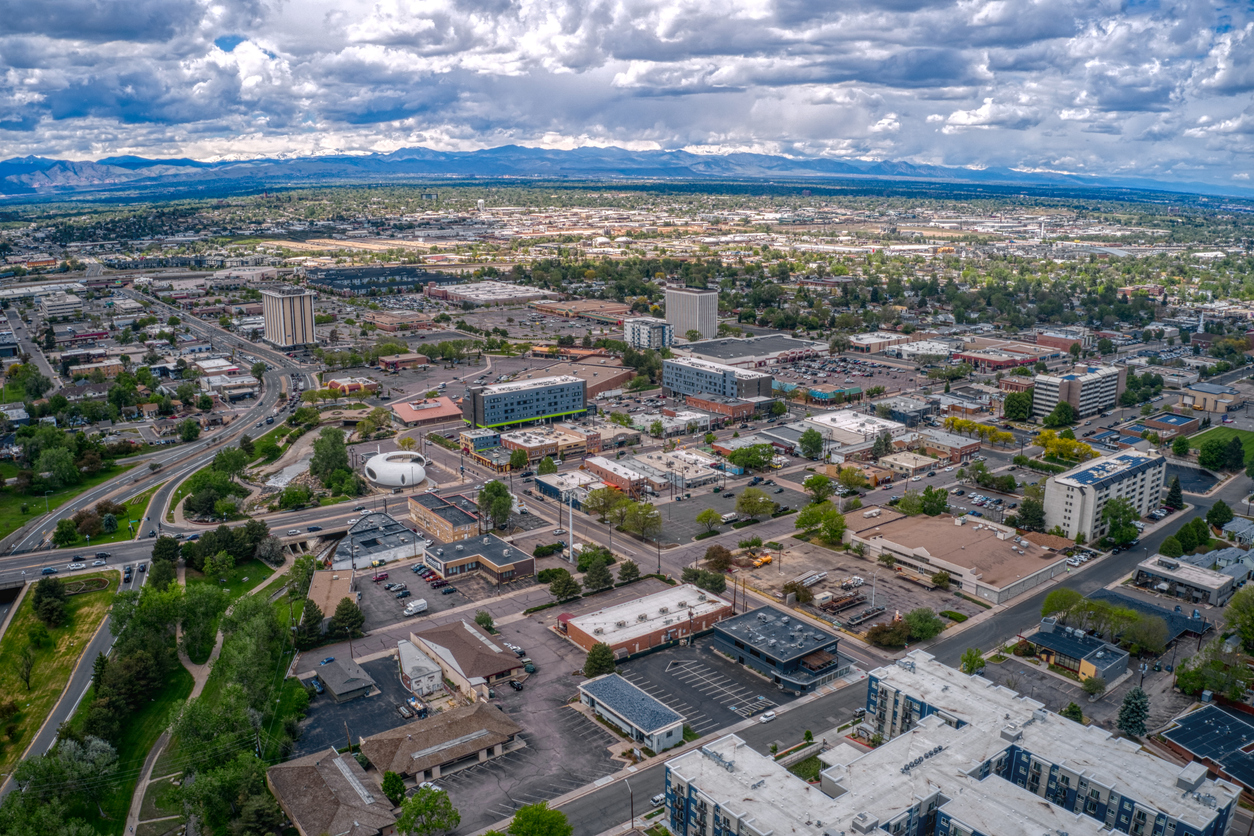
(329, 723)
(679, 519)
(709, 690)
(382, 608)
(850, 372)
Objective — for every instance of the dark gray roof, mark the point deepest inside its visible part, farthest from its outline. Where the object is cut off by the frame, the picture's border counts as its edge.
(729, 348)
(375, 533)
(344, 675)
(1076, 645)
(489, 546)
(631, 703)
(776, 633)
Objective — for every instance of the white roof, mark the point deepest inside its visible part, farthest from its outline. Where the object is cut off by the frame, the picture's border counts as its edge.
(537, 383)
(623, 622)
(717, 368)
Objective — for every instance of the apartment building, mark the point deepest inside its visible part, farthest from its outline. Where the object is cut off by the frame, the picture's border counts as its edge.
(689, 376)
(1089, 391)
(1074, 500)
(289, 316)
(979, 759)
(648, 332)
(525, 401)
(692, 309)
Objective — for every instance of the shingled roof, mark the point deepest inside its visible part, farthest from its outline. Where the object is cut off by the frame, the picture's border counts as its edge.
(441, 739)
(327, 792)
(468, 649)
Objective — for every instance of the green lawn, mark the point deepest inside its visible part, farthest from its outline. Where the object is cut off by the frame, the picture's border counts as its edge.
(278, 434)
(11, 516)
(1223, 434)
(139, 732)
(53, 663)
(135, 509)
(234, 583)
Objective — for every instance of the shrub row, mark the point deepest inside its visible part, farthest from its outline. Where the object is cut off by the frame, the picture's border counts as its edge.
(953, 616)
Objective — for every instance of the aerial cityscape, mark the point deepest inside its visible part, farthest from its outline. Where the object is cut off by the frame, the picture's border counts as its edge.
(626, 420)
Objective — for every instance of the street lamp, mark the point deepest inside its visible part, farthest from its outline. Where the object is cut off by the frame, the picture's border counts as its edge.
(46, 507)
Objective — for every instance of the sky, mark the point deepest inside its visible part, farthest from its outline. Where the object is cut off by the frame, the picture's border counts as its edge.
(1146, 87)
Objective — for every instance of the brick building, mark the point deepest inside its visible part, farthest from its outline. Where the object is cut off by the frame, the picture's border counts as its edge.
(653, 620)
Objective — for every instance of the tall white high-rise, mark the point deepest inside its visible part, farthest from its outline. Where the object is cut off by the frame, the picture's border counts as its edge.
(692, 309)
(289, 316)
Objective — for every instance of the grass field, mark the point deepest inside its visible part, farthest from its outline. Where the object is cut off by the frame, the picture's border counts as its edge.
(1223, 434)
(135, 509)
(139, 733)
(53, 663)
(11, 516)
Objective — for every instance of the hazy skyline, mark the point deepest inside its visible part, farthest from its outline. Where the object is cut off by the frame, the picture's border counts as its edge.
(1158, 89)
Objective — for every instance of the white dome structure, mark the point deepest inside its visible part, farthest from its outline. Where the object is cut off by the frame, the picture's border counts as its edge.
(396, 469)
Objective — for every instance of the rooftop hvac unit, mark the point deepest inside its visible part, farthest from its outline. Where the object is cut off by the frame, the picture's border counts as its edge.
(667, 620)
(458, 547)
(683, 605)
(620, 623)
(505, 553)
(644, 616)
(663, 609)
(597, 631)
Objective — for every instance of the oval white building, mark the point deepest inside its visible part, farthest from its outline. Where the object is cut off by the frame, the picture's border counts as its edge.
(397, 469)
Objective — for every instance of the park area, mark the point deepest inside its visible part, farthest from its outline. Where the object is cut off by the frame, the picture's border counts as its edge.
(1225, 434)
(40, 658)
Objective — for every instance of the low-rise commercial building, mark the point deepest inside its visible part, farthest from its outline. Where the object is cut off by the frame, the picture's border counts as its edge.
(876, 341)
(470, 658)
(1075, 651)
(616, 474)
(1074, 500)
(522, 402)
(953, 448)
(497, 561)
(349, 385)
(425, 412)
(404, 361)
(907, 464)
(571, 487)
(449, 519)
(329, 792)
(910, 411)
(475, 441)
(374, 540)
(1089, 390)
(1180, 579)
(327, 588)
(1211, 397)
(419, 673)
(597, 310)
(393, 321)
(344, 679)
(648, 332)
(647, 721)
(602, 377)
(733, 408)
(754, 352)
(647, 622)
(794, 655)
(426, 749)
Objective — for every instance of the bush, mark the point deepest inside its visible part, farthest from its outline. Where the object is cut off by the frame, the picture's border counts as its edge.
(545, 551)
(893, 634)
(547, 576)
(1024, 648)
(591, 554)
(953, 616)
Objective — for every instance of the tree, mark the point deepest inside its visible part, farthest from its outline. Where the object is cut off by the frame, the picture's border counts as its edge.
(65, 534)
(754, 503)
(1201, 531)
(643, 519)
(1063, 414)
(1018, 406)
(1219, 514)
(656, 429)
(1212, 454)
(598, 576)
(911, 503)
(495, 502)
(162, 575)
(718, 558)
(165, 549)
(427, 812)
(942, 579)
(539, 820)
(189, 430)
(801, 592)
(1239, 615)
(692, 335)
(1186, 538)
(1060, 601)
(935, 501)
(1175, 498)
(1180, 446)
(309, 633)
(924, 624)
(1073, 712)
(258, 369)
(1031, 515)
(518, 460)
(484, 619)
(394, 788)
(628, 572)
(709, 518)
(893, 634)
(564, 587)
(348, 619)
(1171, 547)
(24, 665)
(1134, 712)
(851, 478)
(972, 661)
(329, 454)
(1235, 458)
(1094, 686)
(811, 443)
(1119, 514)
(600, 660)
(819, 487)
(601, 500)
(546, 466)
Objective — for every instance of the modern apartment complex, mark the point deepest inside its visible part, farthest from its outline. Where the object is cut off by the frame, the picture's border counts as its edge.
(979, 759)
(692, 309)
(524, 401)
(289, 317)
(686, 376)
(1074, 500)
(1089, 391)
(648, 332)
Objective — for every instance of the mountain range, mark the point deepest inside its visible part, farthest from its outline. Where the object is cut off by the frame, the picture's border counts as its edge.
(33, 178)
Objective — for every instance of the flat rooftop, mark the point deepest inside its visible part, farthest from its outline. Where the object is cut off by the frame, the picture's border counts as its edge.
(488, 546)
(631, 703)
(736, 348)
(716, 368)
(623, 622)
(1107, 469)
(523, 385)
(374, 534)
(782, 635)
(988, 551)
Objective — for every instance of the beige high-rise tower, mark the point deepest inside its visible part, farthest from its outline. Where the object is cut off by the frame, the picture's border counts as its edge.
(692, 309)
(289, 317)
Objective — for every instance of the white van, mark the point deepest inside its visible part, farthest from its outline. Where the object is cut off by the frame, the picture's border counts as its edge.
(730, 516)
(416, 607)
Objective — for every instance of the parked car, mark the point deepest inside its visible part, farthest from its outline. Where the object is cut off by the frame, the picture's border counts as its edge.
(658, 800)
(766, 717)
(404, 593)
(448, 590)
(779, 490)
(515, 684)
(383, 576)
(326, 661)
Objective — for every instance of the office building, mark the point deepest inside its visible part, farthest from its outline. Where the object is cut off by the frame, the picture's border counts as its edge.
(491, 557)
(795, 655)
(1089, 390)
(1211, 397)
(448, 519)
(975, 759)
(1074, 500)
(289, 317)
(1073, 650)
(647, 622)
(648, 332)
(646, 720)
(692, 309)
(524, 401)
(1180, 578)
(689, 376)
(58, 305)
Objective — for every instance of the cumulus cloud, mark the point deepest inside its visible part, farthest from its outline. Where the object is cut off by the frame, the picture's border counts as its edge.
(1035, 84)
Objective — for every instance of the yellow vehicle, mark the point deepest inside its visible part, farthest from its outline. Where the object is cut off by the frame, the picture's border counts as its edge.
(762, 561)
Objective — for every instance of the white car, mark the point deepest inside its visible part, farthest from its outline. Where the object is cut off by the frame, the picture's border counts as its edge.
(77, 566)
(292, 532)
(948, 469)
(916, 478)
(766, 717)
(100, 563)
(427, 785)
(353, 521)
(558, 532)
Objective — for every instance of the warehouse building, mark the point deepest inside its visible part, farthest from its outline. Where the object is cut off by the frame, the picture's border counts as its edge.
(650, 621)
(1074, 500)
(523, 402)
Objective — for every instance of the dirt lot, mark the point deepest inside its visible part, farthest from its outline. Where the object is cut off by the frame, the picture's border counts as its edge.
(893, 592)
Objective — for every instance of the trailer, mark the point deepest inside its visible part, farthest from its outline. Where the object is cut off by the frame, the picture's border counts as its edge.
(864, 616)
(843, 603)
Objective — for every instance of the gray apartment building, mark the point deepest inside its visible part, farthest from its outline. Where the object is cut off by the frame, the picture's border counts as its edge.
(1089, 390)
(648, 332)
(525, 401)
(688, 376)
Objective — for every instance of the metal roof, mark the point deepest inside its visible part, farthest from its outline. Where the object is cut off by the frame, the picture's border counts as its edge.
(631, 703)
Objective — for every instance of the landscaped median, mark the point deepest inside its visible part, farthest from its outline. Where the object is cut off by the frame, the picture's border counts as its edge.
(49, 654)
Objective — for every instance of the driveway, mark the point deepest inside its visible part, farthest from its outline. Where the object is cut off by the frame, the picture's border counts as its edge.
(331, 724)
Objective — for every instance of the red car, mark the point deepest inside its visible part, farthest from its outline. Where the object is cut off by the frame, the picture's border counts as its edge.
(378, 578)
